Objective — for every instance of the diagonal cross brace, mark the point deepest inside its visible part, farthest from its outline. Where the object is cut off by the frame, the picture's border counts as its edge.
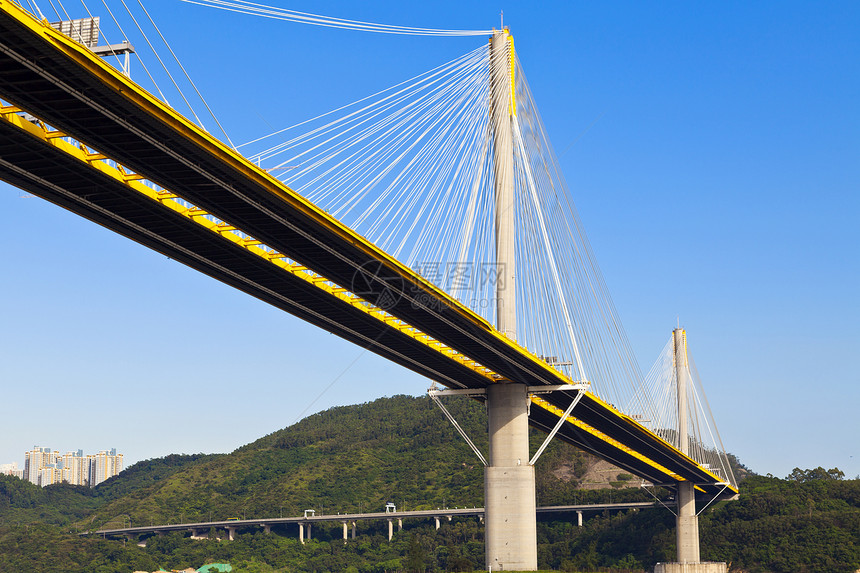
(434, 393)
(558, 424)
(580, 388)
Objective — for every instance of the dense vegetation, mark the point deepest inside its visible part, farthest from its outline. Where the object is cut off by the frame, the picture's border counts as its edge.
(402, 449)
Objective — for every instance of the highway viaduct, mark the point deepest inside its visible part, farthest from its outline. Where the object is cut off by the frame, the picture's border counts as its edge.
(305, 522)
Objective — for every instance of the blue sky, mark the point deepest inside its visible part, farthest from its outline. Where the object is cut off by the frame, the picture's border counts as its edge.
(713, 152)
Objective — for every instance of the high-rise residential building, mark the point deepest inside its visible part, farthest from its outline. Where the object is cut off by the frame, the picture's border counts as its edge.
(103, 465)
(76, 468)
(36, 459)
(12, 470)
(42, 466)
(49, 474)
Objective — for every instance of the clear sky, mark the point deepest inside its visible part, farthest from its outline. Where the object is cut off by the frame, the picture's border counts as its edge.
(713, 152)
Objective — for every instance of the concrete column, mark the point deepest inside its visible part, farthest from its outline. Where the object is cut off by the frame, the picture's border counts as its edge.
(399, 524)
(390, 529)
(437, 522)
(501, 59)
(353, 530)
(302, 533)
(579, 518)
(509, 482)
(687, 529)
(267, 529)
(345, 532)
(309, 531)
(687, 523)
(231, 533)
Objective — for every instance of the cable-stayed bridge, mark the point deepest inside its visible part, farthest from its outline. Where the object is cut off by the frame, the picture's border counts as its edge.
(452, 171)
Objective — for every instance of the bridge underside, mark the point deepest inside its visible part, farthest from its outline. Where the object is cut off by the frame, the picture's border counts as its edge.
(67, 87)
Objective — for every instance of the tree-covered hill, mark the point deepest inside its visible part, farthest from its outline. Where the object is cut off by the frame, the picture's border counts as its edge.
(402, 449)
(346, 459)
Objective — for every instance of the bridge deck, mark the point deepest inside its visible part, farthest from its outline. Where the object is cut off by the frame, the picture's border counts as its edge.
(399, 315)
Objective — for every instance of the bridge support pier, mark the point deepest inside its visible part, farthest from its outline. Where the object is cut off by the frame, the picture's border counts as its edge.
(199, 534)
(509, 482)
(231, 533)
(687, 525)
(302, 533)
(579, 518)
(353, 530)
(437, 522)
(390, 529)
(345, 532)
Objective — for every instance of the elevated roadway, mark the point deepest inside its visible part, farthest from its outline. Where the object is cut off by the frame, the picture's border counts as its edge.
(447, 513)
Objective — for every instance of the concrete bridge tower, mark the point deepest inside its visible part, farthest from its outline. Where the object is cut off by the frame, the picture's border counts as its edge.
(509, 479)
(687, 521)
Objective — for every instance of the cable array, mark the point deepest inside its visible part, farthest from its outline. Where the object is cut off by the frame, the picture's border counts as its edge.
(565, 310)
(275, 13)
(411, 169)
(704, 442)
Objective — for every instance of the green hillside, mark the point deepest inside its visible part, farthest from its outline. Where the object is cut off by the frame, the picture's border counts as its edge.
(347, 459)
(402, 449)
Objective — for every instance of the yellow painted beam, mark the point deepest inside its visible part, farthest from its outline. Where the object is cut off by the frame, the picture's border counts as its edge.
(558, 412)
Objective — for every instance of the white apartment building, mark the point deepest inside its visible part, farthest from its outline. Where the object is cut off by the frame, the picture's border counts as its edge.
(36, 459)
(105, 464)
(11, 470)
(42, 466)
(76, 468)
(49, 474)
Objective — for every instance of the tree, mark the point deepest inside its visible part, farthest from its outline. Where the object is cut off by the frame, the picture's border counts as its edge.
(416, 556)
(819, 473)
